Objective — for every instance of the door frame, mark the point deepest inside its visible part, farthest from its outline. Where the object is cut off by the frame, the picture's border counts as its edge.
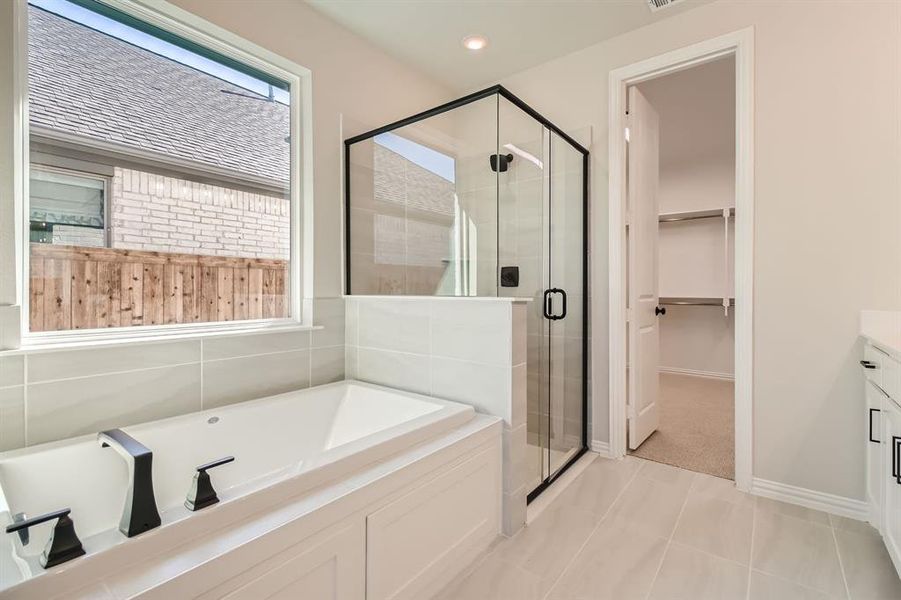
(739, 44)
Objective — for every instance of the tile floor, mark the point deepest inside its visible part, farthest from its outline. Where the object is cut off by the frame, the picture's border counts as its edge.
(635, 529)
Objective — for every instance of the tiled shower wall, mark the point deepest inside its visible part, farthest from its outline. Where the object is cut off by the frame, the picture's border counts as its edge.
(472, 350)
(52, 395)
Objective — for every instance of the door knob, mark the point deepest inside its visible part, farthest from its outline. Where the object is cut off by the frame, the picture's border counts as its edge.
(660, 310)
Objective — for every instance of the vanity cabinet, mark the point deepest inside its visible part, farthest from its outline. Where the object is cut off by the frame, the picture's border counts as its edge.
(891, 468)
(875, 399)
(883, 446)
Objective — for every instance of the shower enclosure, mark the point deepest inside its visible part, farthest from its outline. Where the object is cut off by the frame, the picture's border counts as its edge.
(484, 197)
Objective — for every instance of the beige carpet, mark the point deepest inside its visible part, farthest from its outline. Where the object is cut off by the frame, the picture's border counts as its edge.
(697, 425)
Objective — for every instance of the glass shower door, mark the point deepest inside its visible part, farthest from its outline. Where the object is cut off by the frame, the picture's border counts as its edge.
(523, 261)
(565, 303)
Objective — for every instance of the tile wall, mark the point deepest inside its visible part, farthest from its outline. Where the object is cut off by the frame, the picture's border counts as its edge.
(52, 395)
(472, 350)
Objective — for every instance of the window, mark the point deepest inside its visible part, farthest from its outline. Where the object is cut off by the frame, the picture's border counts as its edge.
(191, 220)
(67, 208)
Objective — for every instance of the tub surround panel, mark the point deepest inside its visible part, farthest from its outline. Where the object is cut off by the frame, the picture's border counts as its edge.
(61, 409)
(471, 350)
(12, 417)
(68, 364)
(238, 379)
(326, 364)
(73, 391)
(12, 370)
(249, 345)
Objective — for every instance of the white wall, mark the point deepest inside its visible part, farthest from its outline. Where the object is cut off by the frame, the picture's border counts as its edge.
(827, 242)
(352, 80)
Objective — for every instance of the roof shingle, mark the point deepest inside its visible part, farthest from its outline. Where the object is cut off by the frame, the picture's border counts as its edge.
(87, 83)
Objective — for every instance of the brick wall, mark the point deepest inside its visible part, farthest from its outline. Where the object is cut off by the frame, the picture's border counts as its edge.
(70, 235)
(166, 214)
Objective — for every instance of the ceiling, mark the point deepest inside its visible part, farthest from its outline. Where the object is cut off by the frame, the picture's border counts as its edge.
(427, 34)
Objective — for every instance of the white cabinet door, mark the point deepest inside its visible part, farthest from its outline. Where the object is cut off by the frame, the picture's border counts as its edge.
(891, 470)
(875, 477)
(329, 565)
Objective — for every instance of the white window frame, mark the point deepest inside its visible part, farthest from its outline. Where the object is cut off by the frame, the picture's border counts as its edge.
(14, 217)
(105, 180)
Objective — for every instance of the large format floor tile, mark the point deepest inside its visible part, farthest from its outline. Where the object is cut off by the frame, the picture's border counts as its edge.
(497, 580)
(618, 562)
(693, 575)
(637, 530)
(868, 569)
(798, 550)
(716, 526)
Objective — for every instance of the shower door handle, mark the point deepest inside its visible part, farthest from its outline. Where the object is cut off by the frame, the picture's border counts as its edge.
(549, 304)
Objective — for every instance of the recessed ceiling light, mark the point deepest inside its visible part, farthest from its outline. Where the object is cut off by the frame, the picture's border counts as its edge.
(475, 42)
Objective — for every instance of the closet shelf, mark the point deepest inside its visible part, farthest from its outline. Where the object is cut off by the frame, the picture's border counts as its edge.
(691, 215)
(698, 301)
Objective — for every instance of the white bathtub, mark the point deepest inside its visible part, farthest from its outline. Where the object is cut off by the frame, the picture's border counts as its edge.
(302, 439)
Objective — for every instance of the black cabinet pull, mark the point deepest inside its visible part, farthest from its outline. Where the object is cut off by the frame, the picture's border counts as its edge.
(63, 544)
(895, 473)
(202, 493)
(872, 410)
(660, 310)
(867, 364)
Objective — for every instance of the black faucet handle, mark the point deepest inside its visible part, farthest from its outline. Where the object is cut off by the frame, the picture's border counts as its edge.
(202, 493)
(63, 544)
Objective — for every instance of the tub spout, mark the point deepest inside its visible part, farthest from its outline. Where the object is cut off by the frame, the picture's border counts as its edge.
(140, 513)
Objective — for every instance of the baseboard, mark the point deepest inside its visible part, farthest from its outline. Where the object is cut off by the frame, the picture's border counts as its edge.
(602, 448)
(710, 374)
(829, 503)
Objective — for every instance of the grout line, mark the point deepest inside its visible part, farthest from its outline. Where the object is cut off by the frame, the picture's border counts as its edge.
(841, 564)
(597, 526)
(669, 541)
(108, 373)
(25, 399)
(213, 360)
(201, 373)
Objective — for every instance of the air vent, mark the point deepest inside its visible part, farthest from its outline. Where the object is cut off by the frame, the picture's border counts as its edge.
(656, 5)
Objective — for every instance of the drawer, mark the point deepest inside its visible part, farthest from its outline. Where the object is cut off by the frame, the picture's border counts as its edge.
(872, 364)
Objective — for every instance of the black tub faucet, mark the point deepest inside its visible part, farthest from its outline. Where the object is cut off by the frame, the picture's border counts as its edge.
(140, 513)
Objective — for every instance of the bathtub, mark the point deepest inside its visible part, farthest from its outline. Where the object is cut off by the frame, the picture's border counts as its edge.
(283, 446)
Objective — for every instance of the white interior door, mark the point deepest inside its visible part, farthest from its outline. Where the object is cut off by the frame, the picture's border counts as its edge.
(644, 335)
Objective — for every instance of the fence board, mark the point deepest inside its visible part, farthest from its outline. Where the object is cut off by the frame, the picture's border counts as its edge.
(108, 302)
(79, 287)
(36, 295)
(131, 294)
(173, 301)
(57, 294)
(154, 299)
(225, 294)
(240, 279)
(254, 293)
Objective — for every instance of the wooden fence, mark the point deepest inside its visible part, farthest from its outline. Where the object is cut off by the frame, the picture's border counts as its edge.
(74, 287)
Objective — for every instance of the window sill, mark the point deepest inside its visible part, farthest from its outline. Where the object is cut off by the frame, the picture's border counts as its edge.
(66, 340)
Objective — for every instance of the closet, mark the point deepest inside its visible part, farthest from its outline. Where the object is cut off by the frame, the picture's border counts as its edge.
(691, 422)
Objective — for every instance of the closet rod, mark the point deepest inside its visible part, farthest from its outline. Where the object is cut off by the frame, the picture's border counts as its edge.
(695, 302)
(691, 216)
